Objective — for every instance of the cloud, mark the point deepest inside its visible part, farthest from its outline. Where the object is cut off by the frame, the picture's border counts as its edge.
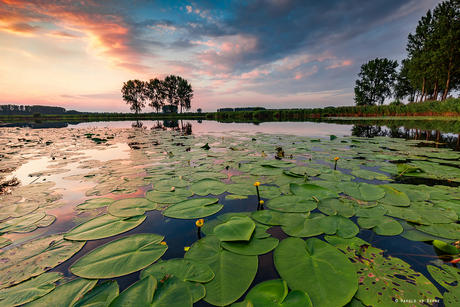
(21, 28)
(62, 34)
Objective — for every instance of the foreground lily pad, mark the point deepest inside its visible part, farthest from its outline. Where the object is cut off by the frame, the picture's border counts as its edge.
(344, 227)
(66, 294)
(95, 203)
(377, 272)
(255, 246)
(318, 269)
(131, 206)
(103, 226)
(236, 229)
(204, 187)
(301, 224)
(275, 293)
(147, 292)
(312, 192)
(291, 203)
(362, 190)
(120, 257)
(384, 225)
(29, 290)
(193, 208)
(234, 273)
(35, 257)
(101, 295)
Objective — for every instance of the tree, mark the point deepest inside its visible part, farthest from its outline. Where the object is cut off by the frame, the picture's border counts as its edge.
(403, 86)
(184, 94)
(199, 110)
(170, 85)
(169, 109)
(155, 92)
(134, 94)
(376, 80)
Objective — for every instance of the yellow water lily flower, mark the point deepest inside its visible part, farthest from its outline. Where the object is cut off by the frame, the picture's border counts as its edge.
(199, 223)
(186, 248)
(163, 243)
(261, 202)
(336, 159)
(256, 184)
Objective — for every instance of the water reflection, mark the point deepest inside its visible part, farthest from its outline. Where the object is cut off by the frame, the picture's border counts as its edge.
(442, 140)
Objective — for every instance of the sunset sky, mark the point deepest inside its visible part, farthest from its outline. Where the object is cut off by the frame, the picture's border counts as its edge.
(273, 53)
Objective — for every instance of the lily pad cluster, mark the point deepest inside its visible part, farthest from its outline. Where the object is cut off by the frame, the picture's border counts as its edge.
(189, 177)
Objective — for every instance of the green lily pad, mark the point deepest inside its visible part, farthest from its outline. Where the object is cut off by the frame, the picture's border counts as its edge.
(301, 224)
(376, 211)
(35, 257)
(305, 170)
(170, 197)
(393, 197)
(178, 182)
(353, 242)
(241, 188)
(120, 257)
(376, 272)
(17, 224)
(193, 208)
(362, 190)
(236, 229)
(234, 273)
(204, 187)
(448, 276)
(103, 226)
(317, 268)
(291, 203)
(344, 227)
(448, 231)
(266, 171)
(334, 206)
(275, 293)
(29, 290)
(95, 203)
(384, 225)
(193, 272)
(267, 217)
(255, 246)
(131, 206)
(413, 193)
(235, 197)
(101, 295)
(209, 175)
(311, 191)
(170, 291)
(66, 294)
(445, 247)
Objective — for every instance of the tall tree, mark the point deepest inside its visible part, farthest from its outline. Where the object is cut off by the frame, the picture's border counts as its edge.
(170, 85)
(134, 94)
(184, 93)
(154, 91)
(447, 34)
(376, 81)
(403, 86)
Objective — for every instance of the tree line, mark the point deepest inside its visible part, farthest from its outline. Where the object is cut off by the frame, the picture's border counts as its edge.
(430, 71)
(12, 109)
(173, 90)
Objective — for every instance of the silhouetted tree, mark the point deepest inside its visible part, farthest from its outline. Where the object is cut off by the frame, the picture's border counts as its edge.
(154, 91)
(134, 95)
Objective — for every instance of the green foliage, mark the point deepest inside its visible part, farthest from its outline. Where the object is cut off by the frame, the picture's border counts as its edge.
(376, 80)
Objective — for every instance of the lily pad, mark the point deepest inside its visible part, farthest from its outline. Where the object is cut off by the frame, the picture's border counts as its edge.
(29, 290)
(311, 191)
(120, 257)
(204, 187)
(377, 272)
(255, 246)
(171, 291)
(103, 226)
(305, 170)
(393, 197)
(384, 225)
(193, 208)
(344, 227)
(362, 190)
(95, 203)
(35, 257)
(334, 206)
(291, 203)
(448, 231)
(66, 294)
(170, 197)
(234, 273)
(275, 293)
(131, 206)
(236, 229)
(301, 224)
(318, 269)
(268, 217)
(101, 295)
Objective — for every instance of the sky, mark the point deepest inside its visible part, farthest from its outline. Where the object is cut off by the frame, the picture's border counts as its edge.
(77, 54)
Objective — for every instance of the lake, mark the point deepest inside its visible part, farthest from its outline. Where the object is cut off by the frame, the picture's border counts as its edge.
(137, 190)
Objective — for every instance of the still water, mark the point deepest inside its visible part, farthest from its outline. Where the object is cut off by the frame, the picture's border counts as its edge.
(180, 233)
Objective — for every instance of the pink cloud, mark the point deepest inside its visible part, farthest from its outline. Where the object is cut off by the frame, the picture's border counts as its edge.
(344, 63)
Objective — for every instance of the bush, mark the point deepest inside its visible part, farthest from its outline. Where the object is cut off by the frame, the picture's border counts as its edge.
(37, 114)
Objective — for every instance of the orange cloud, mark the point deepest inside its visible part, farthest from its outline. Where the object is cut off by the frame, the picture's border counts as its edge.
(109, 35)
(344, 63)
